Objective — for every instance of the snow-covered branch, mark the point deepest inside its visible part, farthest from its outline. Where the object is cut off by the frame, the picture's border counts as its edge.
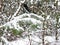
(21, 16)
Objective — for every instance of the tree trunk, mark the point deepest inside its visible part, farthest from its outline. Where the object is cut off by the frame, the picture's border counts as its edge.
(1, 2)
(56, 21)
(43, 33)
(43, 38)
(56, 31)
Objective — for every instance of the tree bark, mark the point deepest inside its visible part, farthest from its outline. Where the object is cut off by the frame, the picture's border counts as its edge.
(1, 2)
(43, 33)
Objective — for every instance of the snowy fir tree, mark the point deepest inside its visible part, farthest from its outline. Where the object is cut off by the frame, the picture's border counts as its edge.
(29, 22)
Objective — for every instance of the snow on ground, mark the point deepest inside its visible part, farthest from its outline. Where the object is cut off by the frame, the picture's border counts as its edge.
(16, 42)
(55, 43)
(48, 39)
(0, 43)
(25, 41)
(14, 23)
(36, 39)
(20, 42)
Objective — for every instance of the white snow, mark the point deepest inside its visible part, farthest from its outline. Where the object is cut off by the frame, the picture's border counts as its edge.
(25, 41)
(59, 19)
(17, 42)
(13, 23)
(20, 42)
(0, 43)
(22, 1)
(36, 39)
(31, 1)
(59, 3)
(49, 38)
(48, 17)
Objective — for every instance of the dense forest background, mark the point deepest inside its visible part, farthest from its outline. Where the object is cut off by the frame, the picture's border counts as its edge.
(29, 22)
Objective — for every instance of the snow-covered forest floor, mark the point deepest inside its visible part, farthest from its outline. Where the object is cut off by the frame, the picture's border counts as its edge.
(35, 39)
(30, 22)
